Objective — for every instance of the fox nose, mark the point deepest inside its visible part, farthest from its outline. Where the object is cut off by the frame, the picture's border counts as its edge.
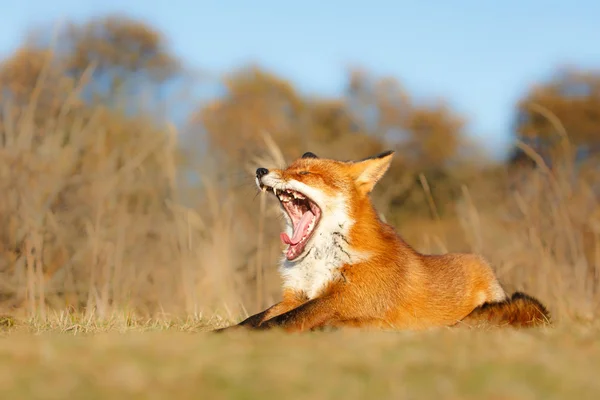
(260, 172)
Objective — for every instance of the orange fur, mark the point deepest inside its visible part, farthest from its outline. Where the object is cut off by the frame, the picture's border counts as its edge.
(356, 271)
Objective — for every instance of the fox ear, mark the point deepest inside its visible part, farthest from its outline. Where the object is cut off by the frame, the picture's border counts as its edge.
(369, 171)
(308, 154)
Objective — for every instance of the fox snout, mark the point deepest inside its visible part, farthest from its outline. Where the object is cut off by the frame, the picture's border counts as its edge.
(260, 172)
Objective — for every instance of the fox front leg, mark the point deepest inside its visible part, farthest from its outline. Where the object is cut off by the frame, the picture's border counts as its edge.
(289, 302)
(255, 320)
(313, 314)
(252, 321)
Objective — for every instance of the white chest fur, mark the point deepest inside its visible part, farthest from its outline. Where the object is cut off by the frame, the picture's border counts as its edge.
(328, 252)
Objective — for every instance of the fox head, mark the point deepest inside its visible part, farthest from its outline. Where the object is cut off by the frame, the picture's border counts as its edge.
(319, 199)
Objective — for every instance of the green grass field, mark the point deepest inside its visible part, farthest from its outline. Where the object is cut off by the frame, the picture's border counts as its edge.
(159, 360)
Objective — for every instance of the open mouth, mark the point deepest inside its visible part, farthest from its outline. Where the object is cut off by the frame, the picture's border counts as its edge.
(304, 214)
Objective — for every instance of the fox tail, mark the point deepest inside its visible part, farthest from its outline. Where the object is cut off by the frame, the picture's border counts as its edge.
(520, 310)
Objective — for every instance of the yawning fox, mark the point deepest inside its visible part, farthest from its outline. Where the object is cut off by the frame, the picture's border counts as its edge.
(343, 266)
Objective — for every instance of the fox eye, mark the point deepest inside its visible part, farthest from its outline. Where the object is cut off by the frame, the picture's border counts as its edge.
(303, 173)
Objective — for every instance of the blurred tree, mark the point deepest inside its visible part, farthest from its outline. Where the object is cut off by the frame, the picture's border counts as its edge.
(127, 56)
(372, 115)
(334, 131)
(427, 137)
(111, 61)
(73, 149)
(256, 101)
(33, 82)
(568, 105)
(435, 136)
(30, 69)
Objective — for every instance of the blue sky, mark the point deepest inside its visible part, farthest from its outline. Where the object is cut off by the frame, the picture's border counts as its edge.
(480, 55)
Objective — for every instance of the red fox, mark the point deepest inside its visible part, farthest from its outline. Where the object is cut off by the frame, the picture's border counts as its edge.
(344, 267)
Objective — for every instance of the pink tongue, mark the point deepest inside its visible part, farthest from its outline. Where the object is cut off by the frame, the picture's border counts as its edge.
(300, 231)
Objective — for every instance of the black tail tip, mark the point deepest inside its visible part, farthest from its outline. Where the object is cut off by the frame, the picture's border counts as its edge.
(525, 298)
(521, 295)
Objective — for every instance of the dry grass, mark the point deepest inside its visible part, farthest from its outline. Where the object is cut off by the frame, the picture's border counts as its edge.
(121, 358)
(94, 216)
(118, 237)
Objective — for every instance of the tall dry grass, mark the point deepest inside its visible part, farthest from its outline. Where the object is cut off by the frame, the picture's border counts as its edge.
(98, 227)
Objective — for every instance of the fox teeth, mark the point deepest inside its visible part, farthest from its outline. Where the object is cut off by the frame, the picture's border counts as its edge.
(298, 195)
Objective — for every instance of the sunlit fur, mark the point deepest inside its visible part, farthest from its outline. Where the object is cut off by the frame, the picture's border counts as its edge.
(356, 271)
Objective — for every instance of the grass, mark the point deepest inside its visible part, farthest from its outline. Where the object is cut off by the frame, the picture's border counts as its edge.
(120, 358)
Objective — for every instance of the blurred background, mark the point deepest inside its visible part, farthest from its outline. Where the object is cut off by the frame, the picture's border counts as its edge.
(130, 132)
